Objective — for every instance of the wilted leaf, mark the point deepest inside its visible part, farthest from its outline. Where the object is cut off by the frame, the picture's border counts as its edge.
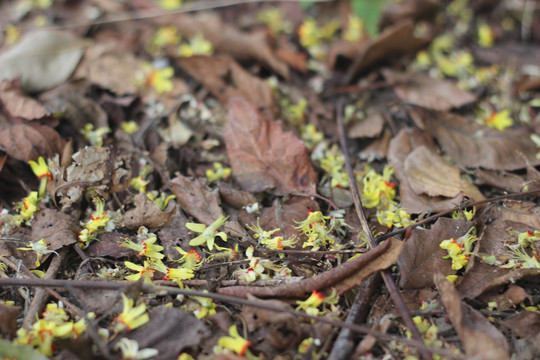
(473, 145)
(370, 126)
(421, 254)
(196, 198)
(19, 104)
(526, 324)
(234, 197)
(109, 244)
(42, 59)
(263, 156)
(29, 141)
(422, 90)
(147, 214)
(8, 321)
(400, 147)
(512, 296)
(428, 173)
(394, 42)
(225, 79)
(170, 331)
(479, 337)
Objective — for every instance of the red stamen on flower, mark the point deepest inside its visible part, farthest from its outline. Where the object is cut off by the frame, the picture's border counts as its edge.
(195, 254)
(390, 184)
(530, 233)
(47, 174)
(151, 77)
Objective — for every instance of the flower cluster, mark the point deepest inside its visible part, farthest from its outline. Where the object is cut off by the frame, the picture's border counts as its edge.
(197, 45)
(27, 207)
(40, 248)
(333, 163)
(311, 305)
(380, 192)
(460, 249)
(99, 221)
(312, 36)
(219, 172)
(158, 78)
(266, 238)
(316, 230)
(523, 253)
(53, 325)
(257, 268)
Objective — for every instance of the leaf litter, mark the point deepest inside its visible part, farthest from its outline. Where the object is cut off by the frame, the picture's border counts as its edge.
(192, 150)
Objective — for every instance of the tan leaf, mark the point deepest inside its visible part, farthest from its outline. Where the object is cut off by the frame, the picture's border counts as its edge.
(196, 198)
(58, 229)
(421, 254)
(263, 156)
(42, 59)
(428, 173)
(479, 337)
(473, 145)
(422, 90)
(147, 214)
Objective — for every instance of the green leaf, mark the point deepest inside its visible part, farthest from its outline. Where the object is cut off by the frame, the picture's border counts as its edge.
(370, 12)
(9, 350)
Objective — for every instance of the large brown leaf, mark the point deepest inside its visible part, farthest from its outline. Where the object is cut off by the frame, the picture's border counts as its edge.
(421, 255)
(479, 337)
(263, 156)
(29, 141)
(473, 145)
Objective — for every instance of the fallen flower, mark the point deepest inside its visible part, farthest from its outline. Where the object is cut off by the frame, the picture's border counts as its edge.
(208, 234)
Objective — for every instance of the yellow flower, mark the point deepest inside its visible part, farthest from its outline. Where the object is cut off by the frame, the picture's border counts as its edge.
(98, 220)
(190, 259)
(219, 173)
(129, 126)
(159, 79)
(499, 120)
(460, 249)
(146, 248)
(130, 350)
(208, 234)
(27, 208)
(41, 170)
(208, 307)
(355, 29)
(144, 271)
(274, 19)
(177, 274)
(234, 342)
(170, 4)
(393, 216)
(131, 316)
(197, 45)
(378, 188)
(40, 248)
(94, 137)
(310, 135)
(485, 36)
(311, 304)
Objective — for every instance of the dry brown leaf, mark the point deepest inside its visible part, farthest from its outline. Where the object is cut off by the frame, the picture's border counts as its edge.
(422, 90)
(58, 229)
(227, 39)
(370, 126)
(8, 320)
(472, 145)
(19, 104)
(410, 9)
(481, 276)
(104, 66)
(225, 79)
(170, 331)
(526, 324)
(421, 254)
(29, 141)
(428, 173)
(400, 147)
(110, 244)
(148, 214)
(196, 198)
(511, 297)
(263, 156)
(384, 261)
(501, 179)
(479, 337)
(234, 197)
(394, 42)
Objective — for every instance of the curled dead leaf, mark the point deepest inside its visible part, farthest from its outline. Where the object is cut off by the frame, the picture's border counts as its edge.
(28, 141)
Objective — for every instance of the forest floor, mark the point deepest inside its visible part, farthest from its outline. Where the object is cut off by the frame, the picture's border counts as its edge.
(269, 180)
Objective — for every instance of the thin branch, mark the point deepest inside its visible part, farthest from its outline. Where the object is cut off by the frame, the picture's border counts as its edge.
(164, 290)
(387, 277)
